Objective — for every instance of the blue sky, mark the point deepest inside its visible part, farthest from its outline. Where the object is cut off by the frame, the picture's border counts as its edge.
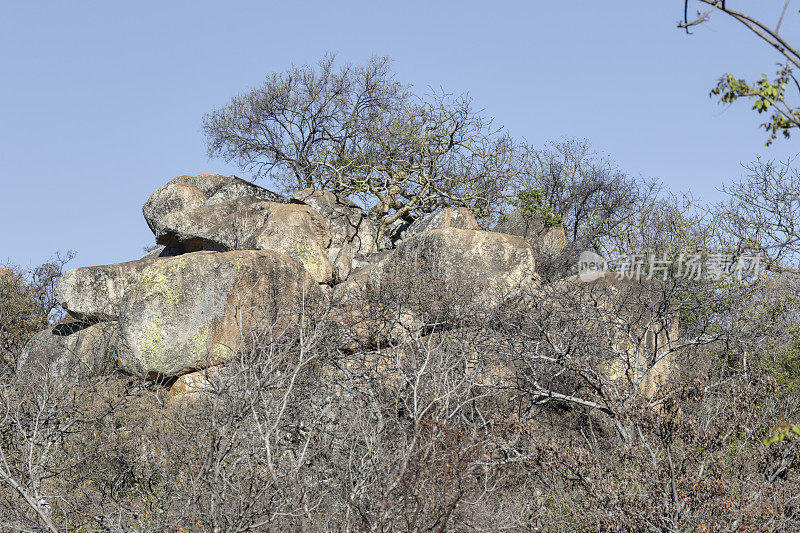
(101, 102)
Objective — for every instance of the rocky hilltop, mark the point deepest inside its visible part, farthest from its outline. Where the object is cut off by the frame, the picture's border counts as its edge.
(232, 257)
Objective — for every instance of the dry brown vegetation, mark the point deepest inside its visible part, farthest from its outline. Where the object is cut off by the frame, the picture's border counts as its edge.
(606, 406)
(471, 422)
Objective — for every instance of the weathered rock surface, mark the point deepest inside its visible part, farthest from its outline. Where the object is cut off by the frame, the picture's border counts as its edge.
(481, 268)
(300, 232)
(69, 353)
(449, 217)
(95, 293)
(352, 233)
(247, 223)
(235, 187)
(545, 240)
(189, 312)
(217, 187)
(170, 198)
(208, 183)
(227, 225)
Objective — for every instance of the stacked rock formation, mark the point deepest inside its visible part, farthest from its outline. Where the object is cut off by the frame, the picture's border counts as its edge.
(232, 255)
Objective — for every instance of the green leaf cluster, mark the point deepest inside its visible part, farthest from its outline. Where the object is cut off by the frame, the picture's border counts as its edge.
(531, 202)
(767, 95)
(781, 433)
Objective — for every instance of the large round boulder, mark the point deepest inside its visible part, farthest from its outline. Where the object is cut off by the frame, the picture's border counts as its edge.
(192, 311)
(227, 225)
(167, 199)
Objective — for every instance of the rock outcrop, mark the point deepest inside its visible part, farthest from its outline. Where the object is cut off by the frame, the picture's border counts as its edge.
(447, 270)
(234, 259)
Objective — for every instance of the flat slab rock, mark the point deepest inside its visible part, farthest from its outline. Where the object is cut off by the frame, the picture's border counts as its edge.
(95, 293)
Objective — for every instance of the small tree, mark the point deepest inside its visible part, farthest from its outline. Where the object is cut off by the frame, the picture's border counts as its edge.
(27, 303)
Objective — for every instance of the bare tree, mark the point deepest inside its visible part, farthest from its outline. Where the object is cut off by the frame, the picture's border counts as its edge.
(762, 215)
(360, 133)
(302, 118)
(27, 303)
(595, 199)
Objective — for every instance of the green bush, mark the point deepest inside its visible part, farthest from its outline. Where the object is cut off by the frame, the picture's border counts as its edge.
(531, 203)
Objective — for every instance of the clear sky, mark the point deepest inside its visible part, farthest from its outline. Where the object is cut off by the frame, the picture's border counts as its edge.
(101, 102)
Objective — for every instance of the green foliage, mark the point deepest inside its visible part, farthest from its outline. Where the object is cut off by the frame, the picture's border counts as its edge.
(531, 202)
(781, 433)
(767, 95)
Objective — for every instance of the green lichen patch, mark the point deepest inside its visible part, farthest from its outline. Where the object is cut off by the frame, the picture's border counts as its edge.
(152, 343)
(304, 250)
(155, 279)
